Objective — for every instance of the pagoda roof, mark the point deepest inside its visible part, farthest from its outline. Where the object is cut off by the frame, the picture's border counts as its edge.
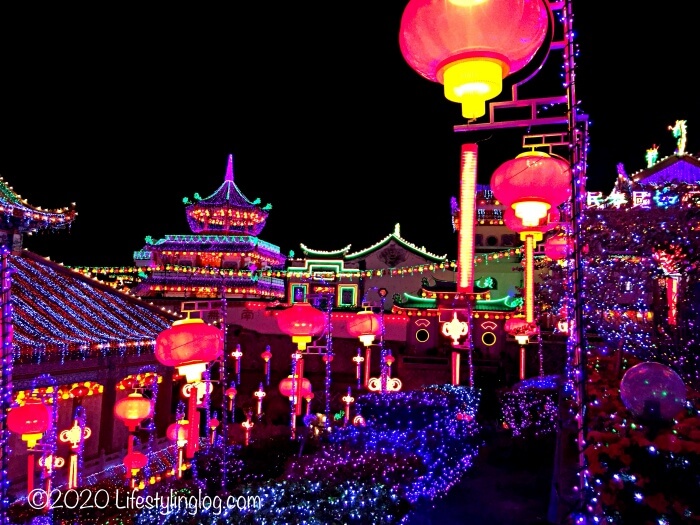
(59, 313)
(226, 210)
(210, 242)
(677, 168)
(17, 214)
(393, 236)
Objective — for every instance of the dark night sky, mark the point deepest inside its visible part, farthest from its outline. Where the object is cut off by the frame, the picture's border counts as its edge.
(125, 113)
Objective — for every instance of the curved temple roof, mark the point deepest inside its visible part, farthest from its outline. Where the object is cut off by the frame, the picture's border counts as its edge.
(227, 210)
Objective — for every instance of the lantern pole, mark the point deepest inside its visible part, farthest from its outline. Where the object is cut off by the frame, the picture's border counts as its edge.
(50, 438)
(5, 376)
(329, 358)
(293, 416)
(383, 363)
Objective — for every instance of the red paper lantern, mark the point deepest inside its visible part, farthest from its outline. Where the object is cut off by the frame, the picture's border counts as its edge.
(230, 392)
(177, 431)
(285, 386)
(532, 184)
(302, 321)
(514, 324)
(133, 409)
(79, 391)
(558, 247)
(30, 420)
(135, 461)
(470, 46)
(366, 325)
(518, 327)
(188, 345)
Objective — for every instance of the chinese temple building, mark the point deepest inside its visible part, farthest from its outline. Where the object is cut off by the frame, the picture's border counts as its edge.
(223, 252)
(64, 334)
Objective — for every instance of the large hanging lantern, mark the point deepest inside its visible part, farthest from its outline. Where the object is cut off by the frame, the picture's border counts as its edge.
(133, 409)
(366, 325)
(532, 183)
(302, 321)
(287, 390)
(558, 247)
(470, 46)
(188, 345)
(29, 420)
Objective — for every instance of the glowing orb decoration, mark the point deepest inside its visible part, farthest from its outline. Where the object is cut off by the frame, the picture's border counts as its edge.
(653, 391)
(392, 384)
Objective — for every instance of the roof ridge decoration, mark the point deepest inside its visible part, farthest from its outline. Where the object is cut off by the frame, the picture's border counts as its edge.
(17, 215)
(226, 210)
(396, 235)
(331, 253)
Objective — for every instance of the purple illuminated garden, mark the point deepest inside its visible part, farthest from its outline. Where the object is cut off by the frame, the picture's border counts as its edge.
(218, 381)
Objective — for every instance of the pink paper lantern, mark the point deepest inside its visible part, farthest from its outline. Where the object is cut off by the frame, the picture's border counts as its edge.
(189, 345)
(532, 183)
(470, 46)
(558, 247)
(302, 321)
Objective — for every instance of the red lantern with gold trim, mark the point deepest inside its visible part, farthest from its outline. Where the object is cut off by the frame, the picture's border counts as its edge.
(532, 183)
(470, 46)
(133, 409)
(188, 345)
(558, 247)
(30, 420)
(285, 386)
(302, 321)
(135, 461)
(366, 325)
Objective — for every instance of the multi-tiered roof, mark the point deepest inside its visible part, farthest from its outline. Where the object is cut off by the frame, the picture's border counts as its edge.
(222, 250)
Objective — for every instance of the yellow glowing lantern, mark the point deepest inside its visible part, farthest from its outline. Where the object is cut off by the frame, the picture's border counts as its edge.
(470, 46)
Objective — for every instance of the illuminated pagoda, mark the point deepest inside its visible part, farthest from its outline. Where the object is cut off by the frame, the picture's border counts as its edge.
(222, 252)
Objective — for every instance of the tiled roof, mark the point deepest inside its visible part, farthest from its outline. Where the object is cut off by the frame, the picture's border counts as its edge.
(60, 314)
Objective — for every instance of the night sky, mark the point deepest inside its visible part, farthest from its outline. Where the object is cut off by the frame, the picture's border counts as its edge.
(126, 113)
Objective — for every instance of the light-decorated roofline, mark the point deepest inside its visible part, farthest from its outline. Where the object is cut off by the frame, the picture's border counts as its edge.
(395, 235)
(214, 239)
(15, 209)
(332, 253)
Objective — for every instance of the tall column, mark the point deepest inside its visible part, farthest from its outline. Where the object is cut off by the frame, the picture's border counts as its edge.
(5, 376)
(109, 398)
